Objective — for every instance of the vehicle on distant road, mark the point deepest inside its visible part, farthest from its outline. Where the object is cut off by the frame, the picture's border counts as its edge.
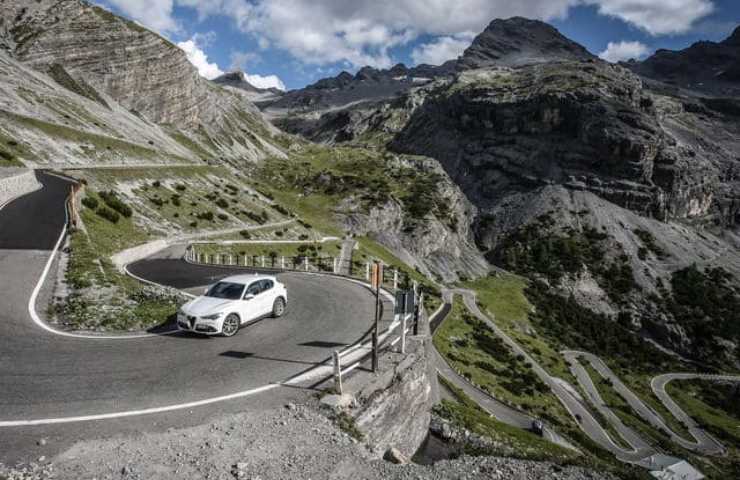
(232, 302)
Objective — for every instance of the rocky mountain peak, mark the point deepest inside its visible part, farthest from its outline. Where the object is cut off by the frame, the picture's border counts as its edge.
(520, 41)
(236, 79)
(734, 39)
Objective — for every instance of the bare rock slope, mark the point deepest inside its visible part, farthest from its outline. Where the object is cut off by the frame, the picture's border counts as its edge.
(103, 57)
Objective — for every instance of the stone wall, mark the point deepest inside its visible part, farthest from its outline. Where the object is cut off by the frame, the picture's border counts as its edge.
(15, 182)
(393, 407)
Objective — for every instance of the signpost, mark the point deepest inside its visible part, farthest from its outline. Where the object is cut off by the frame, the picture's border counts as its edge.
(375, 281)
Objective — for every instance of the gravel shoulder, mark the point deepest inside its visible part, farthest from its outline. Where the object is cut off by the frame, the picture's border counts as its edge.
(288, 441)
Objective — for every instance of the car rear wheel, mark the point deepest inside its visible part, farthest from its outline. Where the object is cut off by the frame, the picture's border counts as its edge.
(230, 326)
(278, 307)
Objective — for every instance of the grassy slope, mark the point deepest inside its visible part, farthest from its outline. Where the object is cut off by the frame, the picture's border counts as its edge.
(477, 354)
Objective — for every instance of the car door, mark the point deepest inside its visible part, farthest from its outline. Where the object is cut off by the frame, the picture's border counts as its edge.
(266, 296)
(252, 308)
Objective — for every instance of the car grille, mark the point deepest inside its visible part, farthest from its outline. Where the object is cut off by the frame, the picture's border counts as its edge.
(191, 320)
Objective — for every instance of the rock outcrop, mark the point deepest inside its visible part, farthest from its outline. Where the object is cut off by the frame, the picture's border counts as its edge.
(74, 41)
(520, 41)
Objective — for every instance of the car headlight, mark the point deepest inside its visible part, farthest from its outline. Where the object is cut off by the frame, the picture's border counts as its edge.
(215, 316)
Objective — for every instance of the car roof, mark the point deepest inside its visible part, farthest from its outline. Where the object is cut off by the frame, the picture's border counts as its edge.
(247, 279)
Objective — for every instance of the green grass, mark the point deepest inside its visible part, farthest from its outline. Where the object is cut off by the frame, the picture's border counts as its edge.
(12, 150)
(504, 297)
(479, 355)
(103, 145)
(96, 282)
(511, 441)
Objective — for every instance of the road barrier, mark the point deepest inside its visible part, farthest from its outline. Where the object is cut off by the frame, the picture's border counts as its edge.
(392, 278)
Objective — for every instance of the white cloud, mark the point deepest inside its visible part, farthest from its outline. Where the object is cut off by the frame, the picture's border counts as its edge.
(200, 60)
(322, 32)
(657, 17)
(441, 49)
(327, 31)
(621, 51)
(268, 81)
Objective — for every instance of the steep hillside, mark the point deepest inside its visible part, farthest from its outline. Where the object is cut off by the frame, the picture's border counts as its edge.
(620, 192)
(709, 67)
(94, 54)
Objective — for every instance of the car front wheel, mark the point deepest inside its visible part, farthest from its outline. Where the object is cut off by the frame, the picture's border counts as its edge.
(278, 308)
(230, 326)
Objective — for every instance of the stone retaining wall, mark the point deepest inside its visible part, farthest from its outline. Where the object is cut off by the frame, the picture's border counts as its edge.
(393, 407)
(15, 182)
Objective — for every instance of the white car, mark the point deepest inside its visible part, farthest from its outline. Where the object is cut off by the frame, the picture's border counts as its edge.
(233, 302)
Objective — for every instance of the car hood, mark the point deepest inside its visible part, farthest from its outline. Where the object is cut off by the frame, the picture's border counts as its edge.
(205, 306)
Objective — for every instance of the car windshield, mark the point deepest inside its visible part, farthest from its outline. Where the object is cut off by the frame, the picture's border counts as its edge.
(226, 290)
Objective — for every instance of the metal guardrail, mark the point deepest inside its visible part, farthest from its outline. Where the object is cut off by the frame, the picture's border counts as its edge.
(392, 278)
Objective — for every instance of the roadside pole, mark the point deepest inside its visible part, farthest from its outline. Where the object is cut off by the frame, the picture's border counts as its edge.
(377, 279)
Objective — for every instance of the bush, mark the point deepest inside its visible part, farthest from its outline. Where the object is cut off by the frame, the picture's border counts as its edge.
(180, 187)
(245, 234)
(222, 203)
(90, 203)
(111, 199)
(223, 216)
(207, 216)
(176, 200)
(108, 214)
(156, 184)
(193, 224)
(157, 201)
(6, 155)
(303, 236)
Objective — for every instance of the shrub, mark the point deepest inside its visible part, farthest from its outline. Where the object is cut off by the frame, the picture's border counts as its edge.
(245, 234)
(12, 143)
(90, 203)
(221, 203)
(111, 199)
(157, 201)
(303, 236)
(176, 200)
(180, 187)
(6, 155)
(207, 216)
(156, 184)
(193, 224)
(108, 214)
(223, 216)
(279, 233)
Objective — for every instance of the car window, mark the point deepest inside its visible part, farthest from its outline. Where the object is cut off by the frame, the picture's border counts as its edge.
(266, 285)
(226, 290)
(254, 289)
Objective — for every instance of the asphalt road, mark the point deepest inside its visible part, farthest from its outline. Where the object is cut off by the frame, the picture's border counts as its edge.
(47, 376)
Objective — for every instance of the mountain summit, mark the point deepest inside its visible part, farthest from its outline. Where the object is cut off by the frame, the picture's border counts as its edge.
(520, 41)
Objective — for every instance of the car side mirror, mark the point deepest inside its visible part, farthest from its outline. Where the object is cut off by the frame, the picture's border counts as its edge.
(248, 296)
(205, 290)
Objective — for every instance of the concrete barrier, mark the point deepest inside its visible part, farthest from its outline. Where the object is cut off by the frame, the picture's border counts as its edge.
(15, 182)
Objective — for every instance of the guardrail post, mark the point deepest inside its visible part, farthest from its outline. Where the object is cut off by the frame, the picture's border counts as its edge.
(305, 262)
(231, 259)
(282, 263)
(395, 279)
(337, 372)
(367, 271)
(263, 261)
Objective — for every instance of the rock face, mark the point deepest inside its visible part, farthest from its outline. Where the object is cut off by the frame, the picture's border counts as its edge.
(237, 79)
(591, 126)
(140, 70)
(532, 126)
(704, 66)
(519, 41)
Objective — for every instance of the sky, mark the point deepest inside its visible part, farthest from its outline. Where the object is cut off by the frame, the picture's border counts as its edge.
(289, 44)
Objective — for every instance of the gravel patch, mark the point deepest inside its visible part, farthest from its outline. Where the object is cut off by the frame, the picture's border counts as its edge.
(288, 442)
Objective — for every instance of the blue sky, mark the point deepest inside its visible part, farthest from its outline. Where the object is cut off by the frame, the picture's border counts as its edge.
(291, 43)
